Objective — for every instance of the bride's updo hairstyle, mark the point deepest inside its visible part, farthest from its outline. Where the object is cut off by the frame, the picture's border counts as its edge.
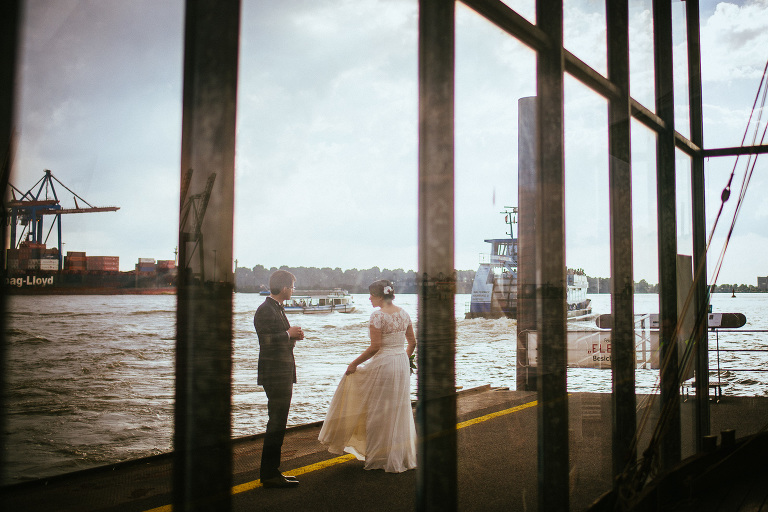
(382, 288)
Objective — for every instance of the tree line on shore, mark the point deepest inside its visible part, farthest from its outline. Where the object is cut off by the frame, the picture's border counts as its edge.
(256, 279)
(603, 285)
(253, 280)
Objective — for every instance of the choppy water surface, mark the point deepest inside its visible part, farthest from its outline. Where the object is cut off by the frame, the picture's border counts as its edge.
(91, 377)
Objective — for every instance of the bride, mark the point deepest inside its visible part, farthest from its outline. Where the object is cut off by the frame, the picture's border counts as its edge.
(370, 415)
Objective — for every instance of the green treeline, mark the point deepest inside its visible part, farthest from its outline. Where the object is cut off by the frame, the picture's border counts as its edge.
(603, 285)
(250, 280)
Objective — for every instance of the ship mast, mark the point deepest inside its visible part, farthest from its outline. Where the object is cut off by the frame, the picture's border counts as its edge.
(510, 217)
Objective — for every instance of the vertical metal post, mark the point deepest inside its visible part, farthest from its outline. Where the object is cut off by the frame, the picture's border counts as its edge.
(436, 410)
(202, 435)
(553, 460)
(10, 19)
(527, 156)
(667, 232)
(699, 222)
(623, 360)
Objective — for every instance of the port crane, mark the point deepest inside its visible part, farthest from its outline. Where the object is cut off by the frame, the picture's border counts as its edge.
(30, 208)
(195, 204)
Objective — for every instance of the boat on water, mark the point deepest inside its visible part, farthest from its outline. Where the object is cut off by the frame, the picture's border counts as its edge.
(320, 301)
(494, 290)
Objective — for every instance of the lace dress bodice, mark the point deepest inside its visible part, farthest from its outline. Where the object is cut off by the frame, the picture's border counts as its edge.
(393, 327)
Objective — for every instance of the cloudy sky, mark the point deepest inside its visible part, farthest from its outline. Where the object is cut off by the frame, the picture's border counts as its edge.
(327, 129)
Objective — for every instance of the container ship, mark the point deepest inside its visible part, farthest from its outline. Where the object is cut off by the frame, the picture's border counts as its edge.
(33, 269)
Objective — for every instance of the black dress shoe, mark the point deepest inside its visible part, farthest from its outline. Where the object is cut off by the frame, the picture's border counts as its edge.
(280, 482)
(291, 478)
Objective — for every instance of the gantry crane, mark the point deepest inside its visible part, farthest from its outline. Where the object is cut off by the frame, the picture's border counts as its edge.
(196, 204)
(31, 207)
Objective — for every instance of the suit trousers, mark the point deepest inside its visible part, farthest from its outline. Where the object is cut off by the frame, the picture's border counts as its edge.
(278, 404)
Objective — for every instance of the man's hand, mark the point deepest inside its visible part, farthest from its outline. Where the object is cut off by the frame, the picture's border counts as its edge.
(295, 332)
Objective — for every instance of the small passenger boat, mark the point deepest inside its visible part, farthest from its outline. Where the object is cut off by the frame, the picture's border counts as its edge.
(320, 301)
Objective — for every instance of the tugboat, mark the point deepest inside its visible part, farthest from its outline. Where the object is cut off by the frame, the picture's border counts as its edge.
(494, 290)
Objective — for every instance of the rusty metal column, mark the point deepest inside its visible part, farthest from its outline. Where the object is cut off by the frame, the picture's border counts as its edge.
(699, 222)
(553, 449)
(527, 156)
(436, 409)
(623, 360)
(10, 20)
(202, 435)
(667, 233)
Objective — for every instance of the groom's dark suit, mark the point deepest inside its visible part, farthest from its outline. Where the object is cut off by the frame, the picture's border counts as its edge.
(277, 374)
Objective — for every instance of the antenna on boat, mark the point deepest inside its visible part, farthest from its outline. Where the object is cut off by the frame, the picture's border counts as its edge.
(510, 217)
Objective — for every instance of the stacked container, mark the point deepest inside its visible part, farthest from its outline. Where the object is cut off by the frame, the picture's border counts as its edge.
(146, 265)
(42, 264)
(75, 261)
(165, 265)
(30, 250)
(104, 263)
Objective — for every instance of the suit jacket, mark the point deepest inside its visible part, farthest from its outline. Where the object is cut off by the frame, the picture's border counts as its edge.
(276, 363)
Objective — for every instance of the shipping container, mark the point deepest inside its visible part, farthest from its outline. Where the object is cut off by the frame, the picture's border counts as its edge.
(75, 264)
(42, 264)
(103, 263)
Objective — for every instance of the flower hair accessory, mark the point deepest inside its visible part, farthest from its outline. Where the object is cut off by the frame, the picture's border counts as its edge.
(388, 290)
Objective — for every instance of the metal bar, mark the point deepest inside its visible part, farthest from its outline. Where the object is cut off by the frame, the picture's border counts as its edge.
(510, 22)
(436, 410)
(667, 233)
(737, 151)
(58, 234)
(527, 151)
(591, 78)
(202, 436)
(698, 193)
(623, 359)
(553, 452)
(518, 27)
(10, 33)
(686, 146)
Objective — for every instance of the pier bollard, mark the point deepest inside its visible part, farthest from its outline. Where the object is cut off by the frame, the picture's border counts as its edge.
(709, 443)
(728, 438)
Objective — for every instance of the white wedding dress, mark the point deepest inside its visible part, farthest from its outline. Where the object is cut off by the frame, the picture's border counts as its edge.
(370, 415)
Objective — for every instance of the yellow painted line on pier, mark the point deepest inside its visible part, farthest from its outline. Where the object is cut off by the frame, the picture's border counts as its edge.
(296, 472)
(344, 458)
(257, 483)
(492, 415)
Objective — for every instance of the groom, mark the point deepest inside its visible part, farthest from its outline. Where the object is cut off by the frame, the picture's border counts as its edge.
(276, 373)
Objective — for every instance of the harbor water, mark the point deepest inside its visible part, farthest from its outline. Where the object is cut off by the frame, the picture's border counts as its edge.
(90, 378)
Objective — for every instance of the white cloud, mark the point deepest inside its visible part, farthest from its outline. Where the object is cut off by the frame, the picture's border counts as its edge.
(733, 41)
